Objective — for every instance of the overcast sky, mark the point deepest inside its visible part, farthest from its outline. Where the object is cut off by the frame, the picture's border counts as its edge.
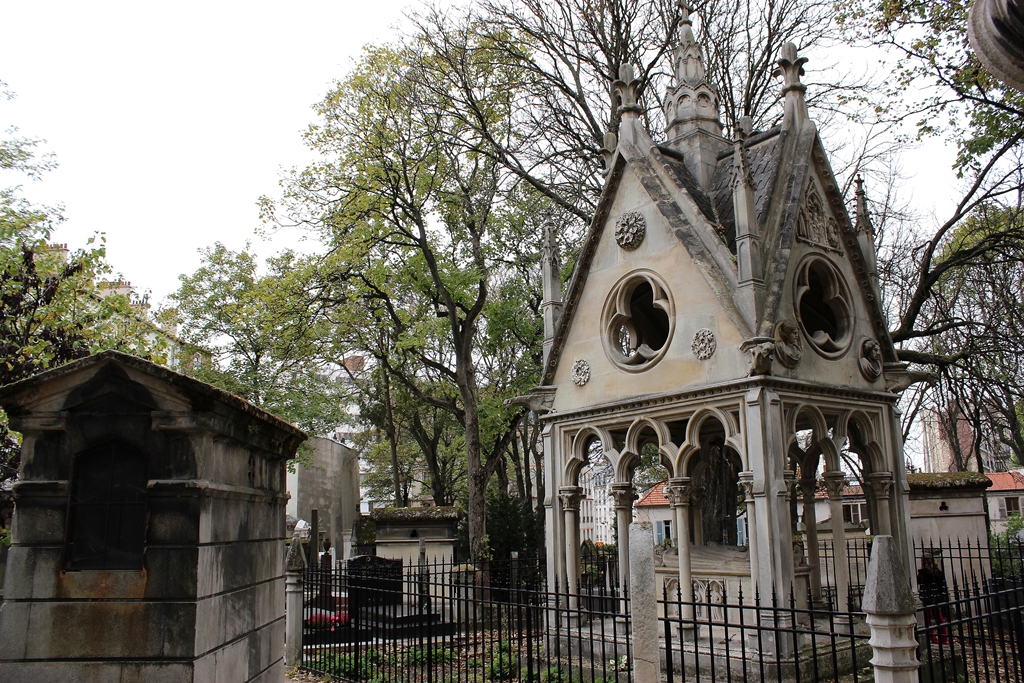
(169, 120)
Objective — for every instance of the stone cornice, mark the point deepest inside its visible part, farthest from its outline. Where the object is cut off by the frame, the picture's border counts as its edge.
(735, 388)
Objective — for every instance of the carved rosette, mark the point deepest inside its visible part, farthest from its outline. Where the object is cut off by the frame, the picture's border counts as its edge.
(870, 359)
(571, 497)
(704, 343)
(835, 482)
(580, 372)
(788, 345)
(630, 230)
(880, 484)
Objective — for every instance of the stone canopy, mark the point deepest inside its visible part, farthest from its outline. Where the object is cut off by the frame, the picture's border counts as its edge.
(724, 311)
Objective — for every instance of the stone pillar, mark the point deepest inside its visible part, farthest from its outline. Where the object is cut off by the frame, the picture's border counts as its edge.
(295, 568)
(624, 495)
(571, 496)
(644, 603)
(678, 492)
(807, 490)
(889, 605)
(697, 513)
(835, 482)
(747, 484)
(880, 483)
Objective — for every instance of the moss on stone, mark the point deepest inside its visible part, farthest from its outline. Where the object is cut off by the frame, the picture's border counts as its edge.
(927, 481)
(425, 514)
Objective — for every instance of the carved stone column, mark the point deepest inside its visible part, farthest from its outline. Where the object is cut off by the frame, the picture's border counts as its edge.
(678, 492)
(697, 512)
(807, 491)
(747, 485)
(571, 496)
(835, 482)
(295, 567)
(880, 484)
(624, 495)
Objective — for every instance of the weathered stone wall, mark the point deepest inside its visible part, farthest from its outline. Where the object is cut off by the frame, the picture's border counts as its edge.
(207, 602)
(331, 486)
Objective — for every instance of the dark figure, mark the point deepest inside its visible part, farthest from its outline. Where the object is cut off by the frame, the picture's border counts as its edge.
(931, 585)
(325, 599)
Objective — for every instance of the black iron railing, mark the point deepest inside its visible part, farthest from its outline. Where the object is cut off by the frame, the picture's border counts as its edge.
(719, 637)
(384, 622)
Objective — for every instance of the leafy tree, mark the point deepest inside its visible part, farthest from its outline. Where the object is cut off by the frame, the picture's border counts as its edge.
(267, 346)
(430, 268)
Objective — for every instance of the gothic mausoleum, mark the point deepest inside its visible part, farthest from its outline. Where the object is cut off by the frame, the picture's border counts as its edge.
(724, 311)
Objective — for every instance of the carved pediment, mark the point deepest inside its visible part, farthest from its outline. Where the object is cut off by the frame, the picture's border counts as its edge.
(815, 225)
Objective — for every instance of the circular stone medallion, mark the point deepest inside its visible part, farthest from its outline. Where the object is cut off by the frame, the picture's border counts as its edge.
(630, 230)
(703, 343)
(580, 372)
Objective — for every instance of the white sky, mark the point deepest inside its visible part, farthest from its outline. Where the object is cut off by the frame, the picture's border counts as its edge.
(169, 120)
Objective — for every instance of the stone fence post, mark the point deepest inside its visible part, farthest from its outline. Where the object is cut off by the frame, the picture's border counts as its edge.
(643, 598)
(295, 569)
(889, 605)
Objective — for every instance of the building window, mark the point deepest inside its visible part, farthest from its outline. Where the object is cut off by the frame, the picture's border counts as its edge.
(107, 515)
(662, 532)
(1008, 506)
(855, 513)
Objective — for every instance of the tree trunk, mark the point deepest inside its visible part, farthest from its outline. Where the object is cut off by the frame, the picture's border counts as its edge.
(389, 426)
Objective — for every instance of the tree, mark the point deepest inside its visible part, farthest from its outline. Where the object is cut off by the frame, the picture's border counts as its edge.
(426, 270)
(267, 346)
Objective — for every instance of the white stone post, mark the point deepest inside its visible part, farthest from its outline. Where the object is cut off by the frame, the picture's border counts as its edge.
(889, 605)
(644, 605)
(295, 568)
(880, 483)
(747, 484)
(835, 482)
(807, 489)
(624, 495)
(678, 492)
(571, 497)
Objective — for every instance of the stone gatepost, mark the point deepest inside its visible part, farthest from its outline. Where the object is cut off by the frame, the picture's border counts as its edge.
(889, 605)
(149, 529)
(295, 569)
(643, 597)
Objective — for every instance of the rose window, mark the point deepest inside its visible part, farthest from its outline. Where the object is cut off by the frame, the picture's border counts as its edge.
(822, 303)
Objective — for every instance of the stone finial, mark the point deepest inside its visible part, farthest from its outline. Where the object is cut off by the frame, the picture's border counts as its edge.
(689, 64)
(887, 587)
(790, 66)
(295, 561)
(611, 142)
(744, 127)
(863, 218)
(627, 89)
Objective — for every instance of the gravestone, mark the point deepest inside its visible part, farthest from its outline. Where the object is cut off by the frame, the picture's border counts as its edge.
(148, 533)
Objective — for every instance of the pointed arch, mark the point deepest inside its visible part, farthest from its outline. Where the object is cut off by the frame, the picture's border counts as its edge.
(691, 445)
(578, 458)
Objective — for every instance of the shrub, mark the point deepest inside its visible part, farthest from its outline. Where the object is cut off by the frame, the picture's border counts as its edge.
(503, 666)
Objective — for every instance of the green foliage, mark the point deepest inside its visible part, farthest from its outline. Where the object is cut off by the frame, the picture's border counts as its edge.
(503, 664)
(5, 537)
(513, 525)
(1007, 553)
(267, 346)
(353, 666)
(420, 656)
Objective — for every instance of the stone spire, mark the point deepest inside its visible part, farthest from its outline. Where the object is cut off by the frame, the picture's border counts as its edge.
(692, 123)
(626, 90)
(790, 67)
(748, 238)
(866, 232)
(551, 282)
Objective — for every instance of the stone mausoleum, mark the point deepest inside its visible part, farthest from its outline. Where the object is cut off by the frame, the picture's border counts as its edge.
(724, 311)
(148, 533)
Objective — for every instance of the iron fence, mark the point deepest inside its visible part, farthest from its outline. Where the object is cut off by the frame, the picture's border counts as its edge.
(384, 622)
(970, 626)
(717, 637)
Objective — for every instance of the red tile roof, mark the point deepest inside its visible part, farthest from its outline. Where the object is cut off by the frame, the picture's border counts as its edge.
(848, 492)
(1006, 481)
(655, 497)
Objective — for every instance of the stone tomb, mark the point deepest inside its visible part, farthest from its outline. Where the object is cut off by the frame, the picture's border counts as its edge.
(148, 533)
